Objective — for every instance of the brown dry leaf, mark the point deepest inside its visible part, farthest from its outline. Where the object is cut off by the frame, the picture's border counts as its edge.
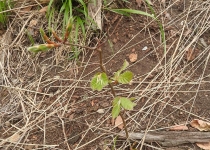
(179, 128)
(139, 2)
(92, 103)
(43, 10)
(14, 138)
(190, 54)
(119, 122)
(33, 23)
(26, 8)
(114, 40)
(200, 125)
(133, 57)
(205, 146)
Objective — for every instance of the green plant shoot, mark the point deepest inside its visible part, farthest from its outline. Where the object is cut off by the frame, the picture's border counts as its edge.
(121, 102)
(100, 80)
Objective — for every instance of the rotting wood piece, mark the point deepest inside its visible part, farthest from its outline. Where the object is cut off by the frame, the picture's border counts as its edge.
(171, 138)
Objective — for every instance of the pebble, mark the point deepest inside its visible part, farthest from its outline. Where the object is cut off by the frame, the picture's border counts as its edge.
(100, 111)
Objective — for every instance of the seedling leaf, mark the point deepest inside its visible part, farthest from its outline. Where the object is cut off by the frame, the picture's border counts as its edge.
(116, 110)
(116, 100)
(117, 74)
(125, 65)
(99, 81)
(127, 103)
(125, 77)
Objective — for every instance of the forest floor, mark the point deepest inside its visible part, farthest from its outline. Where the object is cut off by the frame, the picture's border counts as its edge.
(46, 101)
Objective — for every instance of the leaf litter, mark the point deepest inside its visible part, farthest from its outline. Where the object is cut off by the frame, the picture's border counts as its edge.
(119, 122)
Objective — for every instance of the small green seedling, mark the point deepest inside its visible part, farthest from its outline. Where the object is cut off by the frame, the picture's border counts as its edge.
(100, 80)
(51, 44)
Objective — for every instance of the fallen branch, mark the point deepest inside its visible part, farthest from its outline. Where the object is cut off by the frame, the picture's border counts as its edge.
(171, 138)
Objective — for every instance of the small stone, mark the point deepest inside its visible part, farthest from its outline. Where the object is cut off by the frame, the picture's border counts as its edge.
(145, 48)
(100, 111)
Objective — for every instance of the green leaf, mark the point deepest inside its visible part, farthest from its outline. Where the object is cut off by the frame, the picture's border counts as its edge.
(116, 110)
(125, 65)
(125, 77)
(99, 81)
(116, 100)
(116, 107)
(69, 25)
(117, 74)
(40, 48)
(127, 103)
(42, 32)
(132, 11)
(119, 11)
(132, 98)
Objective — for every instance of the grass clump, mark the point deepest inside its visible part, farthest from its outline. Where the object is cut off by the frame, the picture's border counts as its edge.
(65, 9)
(4, 5)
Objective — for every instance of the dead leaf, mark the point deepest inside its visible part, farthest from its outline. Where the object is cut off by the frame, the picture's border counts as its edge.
(33, 23)
(179, 128)
(114, 40)
(139, 2)
(119, 122)
(200, 125)
(43, 10)
(204, 145)
(14, 138)
(133, 57)
(26, 8)
(92, 103)
(190, 54)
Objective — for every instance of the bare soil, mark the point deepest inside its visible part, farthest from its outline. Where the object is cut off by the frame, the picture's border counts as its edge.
(46, 99)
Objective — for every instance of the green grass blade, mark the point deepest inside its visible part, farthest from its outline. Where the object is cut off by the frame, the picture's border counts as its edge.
(132, 11)
(31, 39)
(162, 32)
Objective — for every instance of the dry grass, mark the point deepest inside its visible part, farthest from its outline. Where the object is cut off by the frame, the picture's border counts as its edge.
(38, 92)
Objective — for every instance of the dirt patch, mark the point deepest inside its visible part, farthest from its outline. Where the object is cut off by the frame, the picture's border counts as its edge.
(47, 98)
